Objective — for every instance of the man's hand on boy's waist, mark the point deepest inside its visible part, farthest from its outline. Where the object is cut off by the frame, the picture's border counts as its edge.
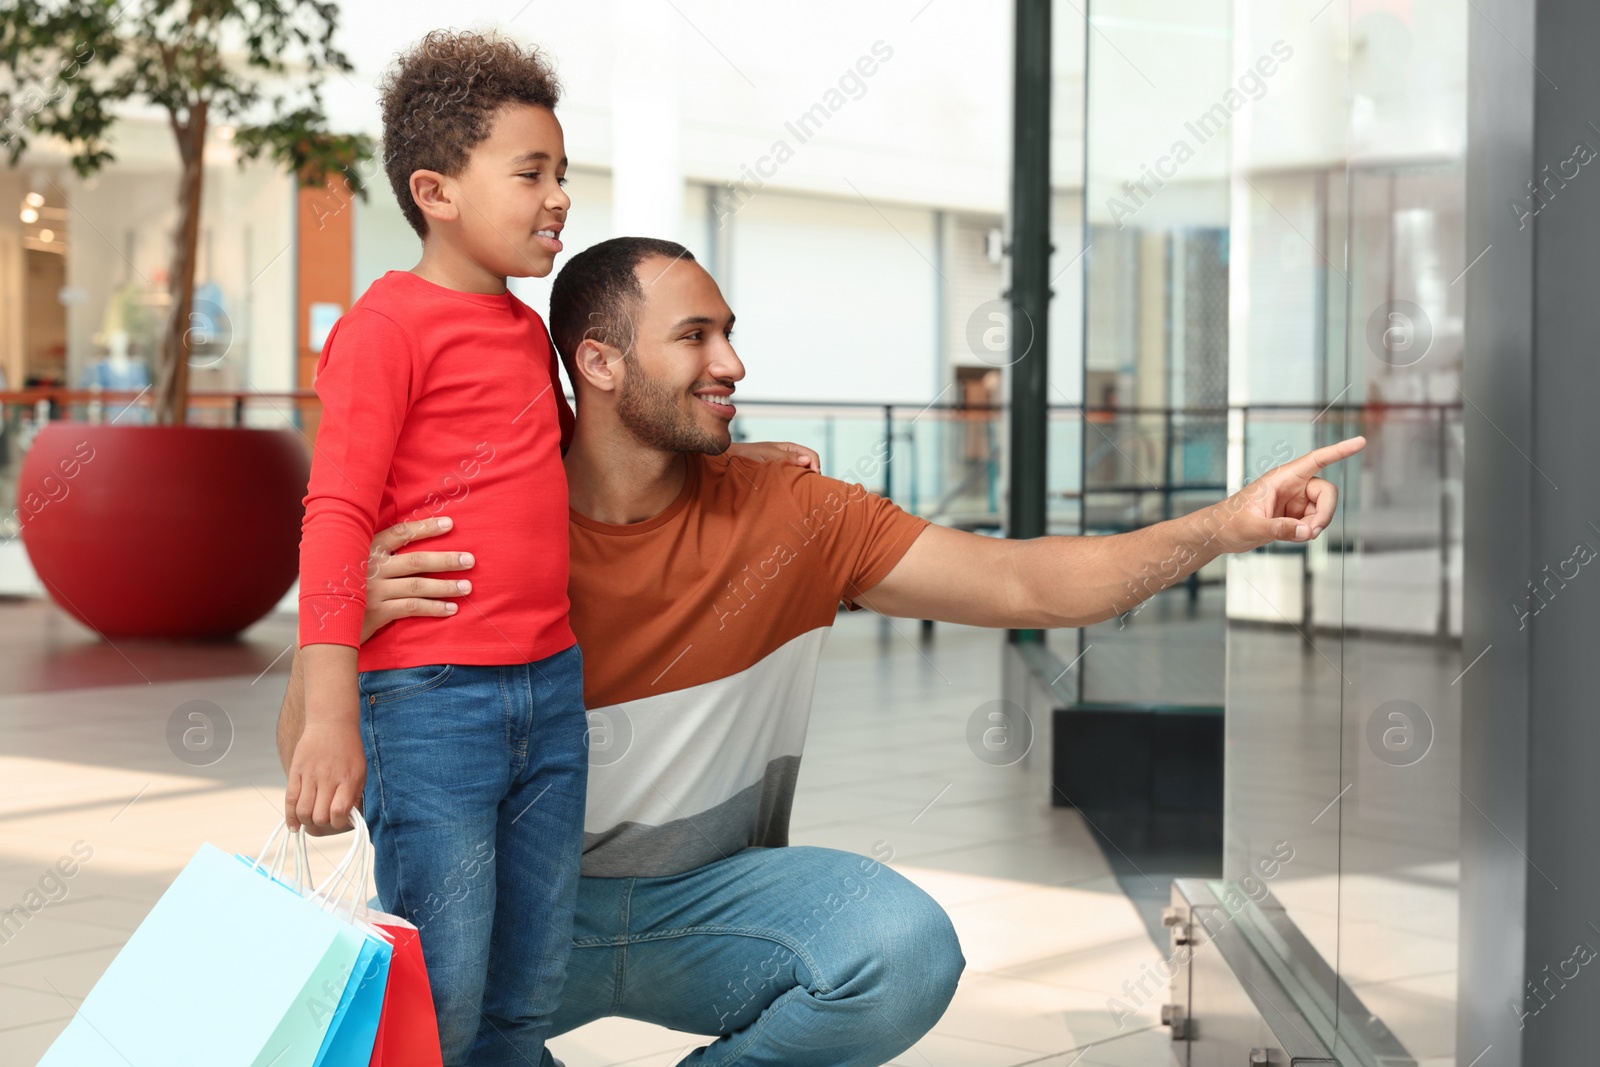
(394, 590)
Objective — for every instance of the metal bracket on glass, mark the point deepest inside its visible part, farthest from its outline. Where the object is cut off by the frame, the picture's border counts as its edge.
(1173, 919)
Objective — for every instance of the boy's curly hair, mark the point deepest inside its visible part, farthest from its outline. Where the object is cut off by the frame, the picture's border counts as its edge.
(440, 97)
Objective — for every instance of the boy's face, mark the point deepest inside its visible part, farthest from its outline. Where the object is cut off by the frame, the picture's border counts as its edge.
(512, 204)
(677, 389)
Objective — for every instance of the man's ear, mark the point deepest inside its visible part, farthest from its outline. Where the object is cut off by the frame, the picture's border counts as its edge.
(599, 364)
(435, 195)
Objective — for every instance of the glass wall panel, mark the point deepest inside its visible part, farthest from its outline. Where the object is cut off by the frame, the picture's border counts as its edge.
(1343, 716)
(1155, 326)
(1275, 200)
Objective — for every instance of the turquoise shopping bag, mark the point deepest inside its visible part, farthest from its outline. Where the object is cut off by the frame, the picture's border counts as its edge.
(229, 969)
(354, 1026)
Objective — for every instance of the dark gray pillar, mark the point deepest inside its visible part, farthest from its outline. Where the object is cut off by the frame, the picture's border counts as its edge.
(1030, 276)
(1530, 884)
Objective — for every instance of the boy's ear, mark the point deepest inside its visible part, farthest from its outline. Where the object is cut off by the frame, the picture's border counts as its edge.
(599, 364)
(434, 195)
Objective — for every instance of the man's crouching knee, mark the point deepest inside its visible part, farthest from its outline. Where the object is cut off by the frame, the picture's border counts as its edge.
(916, 959)
(929, 965)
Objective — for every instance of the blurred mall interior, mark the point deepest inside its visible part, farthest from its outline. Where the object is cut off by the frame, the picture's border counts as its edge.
(1051, 267)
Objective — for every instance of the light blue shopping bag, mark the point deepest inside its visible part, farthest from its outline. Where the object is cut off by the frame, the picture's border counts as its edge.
(228, 970)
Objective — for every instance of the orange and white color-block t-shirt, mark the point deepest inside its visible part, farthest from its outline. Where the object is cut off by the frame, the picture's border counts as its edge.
(701, 630)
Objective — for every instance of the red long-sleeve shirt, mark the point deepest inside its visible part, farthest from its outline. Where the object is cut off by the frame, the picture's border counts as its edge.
(437, 402)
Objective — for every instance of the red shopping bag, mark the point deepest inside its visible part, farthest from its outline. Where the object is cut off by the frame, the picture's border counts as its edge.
(408, 1029)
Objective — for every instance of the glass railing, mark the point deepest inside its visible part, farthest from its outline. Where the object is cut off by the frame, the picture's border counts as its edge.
(943, 462)
(1110, 470)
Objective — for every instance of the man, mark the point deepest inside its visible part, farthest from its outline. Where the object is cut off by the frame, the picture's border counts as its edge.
(701, 591)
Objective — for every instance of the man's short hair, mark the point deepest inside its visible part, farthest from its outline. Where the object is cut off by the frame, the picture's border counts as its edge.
(441, 97)
(597, 294)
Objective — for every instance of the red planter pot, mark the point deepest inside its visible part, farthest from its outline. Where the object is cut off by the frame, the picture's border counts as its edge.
(164, 531)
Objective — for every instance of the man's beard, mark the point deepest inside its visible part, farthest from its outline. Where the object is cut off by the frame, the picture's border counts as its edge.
(649, 409)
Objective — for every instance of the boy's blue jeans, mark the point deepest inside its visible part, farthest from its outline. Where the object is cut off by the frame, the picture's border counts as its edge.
(788, 957)
(475, 791)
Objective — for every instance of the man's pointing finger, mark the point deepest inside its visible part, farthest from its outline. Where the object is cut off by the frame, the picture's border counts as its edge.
(1309, 464)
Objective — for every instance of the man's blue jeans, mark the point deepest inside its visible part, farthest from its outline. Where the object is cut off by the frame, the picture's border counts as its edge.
(799, 957)
(475, 790)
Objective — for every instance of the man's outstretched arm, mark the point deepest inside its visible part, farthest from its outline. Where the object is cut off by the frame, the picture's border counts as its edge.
(1051, 582)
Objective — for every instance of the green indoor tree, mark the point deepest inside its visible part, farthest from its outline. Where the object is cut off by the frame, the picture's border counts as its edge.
(66, 64)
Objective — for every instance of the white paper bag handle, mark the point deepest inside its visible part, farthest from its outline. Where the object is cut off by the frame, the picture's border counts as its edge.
(262, 852)
(302, 863)
(359, 843)
(351, 873)
(274, 867)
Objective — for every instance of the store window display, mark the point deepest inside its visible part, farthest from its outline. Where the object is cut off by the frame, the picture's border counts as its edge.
(127, 333)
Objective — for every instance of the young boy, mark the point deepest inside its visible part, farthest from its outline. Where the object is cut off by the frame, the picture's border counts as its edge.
(465, 746)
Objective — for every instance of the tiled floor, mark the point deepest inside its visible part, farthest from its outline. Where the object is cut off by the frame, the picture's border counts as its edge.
(85, 757)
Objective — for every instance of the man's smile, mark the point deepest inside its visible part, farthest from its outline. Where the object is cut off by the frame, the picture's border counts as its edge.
(711, 398)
